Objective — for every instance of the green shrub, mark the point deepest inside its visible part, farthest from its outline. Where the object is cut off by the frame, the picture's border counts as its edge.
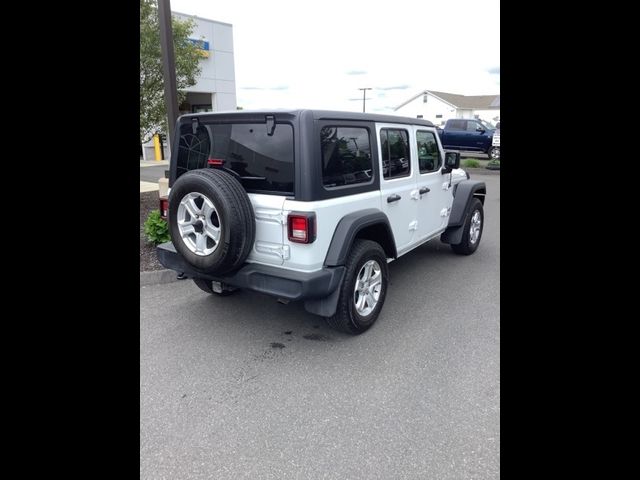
(494, 165)
(156, 229)
(471, 163)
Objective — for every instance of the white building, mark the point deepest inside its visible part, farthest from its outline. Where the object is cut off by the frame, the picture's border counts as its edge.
(438, 107)
(215, 89)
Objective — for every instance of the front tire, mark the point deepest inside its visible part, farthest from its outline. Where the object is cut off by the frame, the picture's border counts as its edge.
(363, 289)
(494, 153)
(473, 227)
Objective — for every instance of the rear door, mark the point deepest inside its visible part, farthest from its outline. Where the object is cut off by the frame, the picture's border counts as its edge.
(455, 133)
(398, 183)
(263, 162)
(435, 198)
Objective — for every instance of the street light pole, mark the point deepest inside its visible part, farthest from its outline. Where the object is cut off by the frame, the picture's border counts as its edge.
(364, 93)
(168, 65)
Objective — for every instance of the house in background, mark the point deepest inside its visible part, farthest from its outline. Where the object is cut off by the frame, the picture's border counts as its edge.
(438, 107)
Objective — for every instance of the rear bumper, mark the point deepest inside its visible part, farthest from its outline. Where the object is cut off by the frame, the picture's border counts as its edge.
(277, 282)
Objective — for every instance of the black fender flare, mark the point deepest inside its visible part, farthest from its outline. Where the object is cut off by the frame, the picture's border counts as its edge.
(347, 229)
(465, 191)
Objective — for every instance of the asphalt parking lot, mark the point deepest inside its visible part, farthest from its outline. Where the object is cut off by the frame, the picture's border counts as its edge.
(244, 387)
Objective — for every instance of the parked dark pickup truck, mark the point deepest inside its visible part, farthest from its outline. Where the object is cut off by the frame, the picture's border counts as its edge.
(470, 135)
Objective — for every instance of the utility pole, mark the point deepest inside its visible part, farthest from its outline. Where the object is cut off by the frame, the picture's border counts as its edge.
(168, 66)
(364, 93)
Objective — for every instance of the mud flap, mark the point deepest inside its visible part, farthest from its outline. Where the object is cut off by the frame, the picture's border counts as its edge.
(452, 235)
(325, 307)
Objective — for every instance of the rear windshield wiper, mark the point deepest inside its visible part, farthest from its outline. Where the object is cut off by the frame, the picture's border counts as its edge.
(252, 178)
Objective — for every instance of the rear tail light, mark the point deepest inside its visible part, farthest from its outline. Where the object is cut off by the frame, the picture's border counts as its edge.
(301, 227)
(215, 162)
(164, 207)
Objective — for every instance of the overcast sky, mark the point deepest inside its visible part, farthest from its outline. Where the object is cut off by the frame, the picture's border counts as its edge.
(316, 54)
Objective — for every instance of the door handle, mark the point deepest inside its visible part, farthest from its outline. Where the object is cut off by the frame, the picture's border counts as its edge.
(424, 190)
(393, 198)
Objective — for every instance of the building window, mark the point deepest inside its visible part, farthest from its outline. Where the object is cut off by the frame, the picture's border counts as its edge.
(439, 116)
(424, 98)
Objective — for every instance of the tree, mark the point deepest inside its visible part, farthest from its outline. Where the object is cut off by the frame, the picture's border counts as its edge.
(153, 112)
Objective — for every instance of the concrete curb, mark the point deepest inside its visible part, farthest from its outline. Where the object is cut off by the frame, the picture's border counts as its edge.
(157, 277)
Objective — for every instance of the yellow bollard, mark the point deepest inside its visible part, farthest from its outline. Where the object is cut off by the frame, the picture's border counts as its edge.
(156, 145)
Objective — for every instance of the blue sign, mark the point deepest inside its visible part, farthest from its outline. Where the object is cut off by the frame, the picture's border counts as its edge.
(201, 44)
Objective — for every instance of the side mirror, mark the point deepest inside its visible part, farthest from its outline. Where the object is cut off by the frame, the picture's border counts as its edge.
(480, 129)
(451, 161)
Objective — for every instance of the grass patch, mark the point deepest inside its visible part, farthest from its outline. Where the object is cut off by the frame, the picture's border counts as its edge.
(471, 163)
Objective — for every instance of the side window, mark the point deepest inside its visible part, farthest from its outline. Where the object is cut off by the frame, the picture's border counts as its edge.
(396, 160)
(346, 156)
(428, 152)
(456, 125)
(471, 126)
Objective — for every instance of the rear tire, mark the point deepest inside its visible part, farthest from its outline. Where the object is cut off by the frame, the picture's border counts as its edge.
(473, 227)
(363, 288)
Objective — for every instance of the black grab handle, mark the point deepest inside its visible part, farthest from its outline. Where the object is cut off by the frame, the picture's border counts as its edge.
(393, 198)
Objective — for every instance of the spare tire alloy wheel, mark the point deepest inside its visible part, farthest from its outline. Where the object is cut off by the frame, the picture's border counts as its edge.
(212, 223)
(199, 223)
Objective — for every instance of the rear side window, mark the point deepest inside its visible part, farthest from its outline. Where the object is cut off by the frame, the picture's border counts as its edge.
(263, 163)
(428, 152)
(346, 156)
(456, 125)
(396, 160)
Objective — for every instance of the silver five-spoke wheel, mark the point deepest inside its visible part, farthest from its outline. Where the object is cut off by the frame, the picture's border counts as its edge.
(367, 288)
(199, 224)
(474, 229)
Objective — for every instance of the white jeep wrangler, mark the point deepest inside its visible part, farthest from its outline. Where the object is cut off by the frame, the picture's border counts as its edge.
(312, 205)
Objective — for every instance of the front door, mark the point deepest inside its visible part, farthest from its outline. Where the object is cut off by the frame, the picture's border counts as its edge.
(435, 199)
(398, 183)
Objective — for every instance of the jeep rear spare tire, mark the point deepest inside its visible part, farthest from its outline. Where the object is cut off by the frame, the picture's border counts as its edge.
(211, 220)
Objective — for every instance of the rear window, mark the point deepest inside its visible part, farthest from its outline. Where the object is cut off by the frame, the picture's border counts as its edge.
(456, 125)
(263, 163)
(346, 156)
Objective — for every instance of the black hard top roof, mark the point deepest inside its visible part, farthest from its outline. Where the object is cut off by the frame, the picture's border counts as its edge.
(323, 115)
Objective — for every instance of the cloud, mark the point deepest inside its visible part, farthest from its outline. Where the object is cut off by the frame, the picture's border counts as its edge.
(494, 70)
(394, 87)
(356, 72)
